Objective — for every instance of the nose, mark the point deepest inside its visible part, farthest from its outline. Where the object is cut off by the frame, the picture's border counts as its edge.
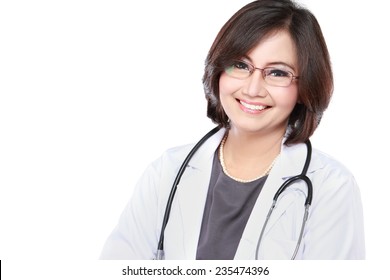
(255, 84)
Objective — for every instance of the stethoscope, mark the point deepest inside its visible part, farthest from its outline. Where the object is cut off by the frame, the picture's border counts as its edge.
(282, 188)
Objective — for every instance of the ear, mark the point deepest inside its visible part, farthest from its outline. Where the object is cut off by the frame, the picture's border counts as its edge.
(299, 101)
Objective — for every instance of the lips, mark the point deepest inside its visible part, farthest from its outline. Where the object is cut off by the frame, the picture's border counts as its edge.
(252, 107)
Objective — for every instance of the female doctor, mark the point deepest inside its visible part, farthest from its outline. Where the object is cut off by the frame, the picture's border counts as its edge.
(267, 81)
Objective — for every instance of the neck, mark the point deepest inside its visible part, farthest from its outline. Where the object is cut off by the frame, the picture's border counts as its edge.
(247, 155)
(253, 145)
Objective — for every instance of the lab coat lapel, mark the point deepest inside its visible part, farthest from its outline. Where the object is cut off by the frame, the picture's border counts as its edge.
(192, 193)
(289, 163)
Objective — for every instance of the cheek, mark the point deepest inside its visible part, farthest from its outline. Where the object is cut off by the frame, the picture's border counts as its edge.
(227, 85)
(287, 99)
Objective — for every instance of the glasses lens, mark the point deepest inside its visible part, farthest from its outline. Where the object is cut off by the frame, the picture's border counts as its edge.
(277, 77)
(239, 70)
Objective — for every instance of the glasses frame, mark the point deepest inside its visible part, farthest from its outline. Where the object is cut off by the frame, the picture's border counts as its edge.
(252, 69)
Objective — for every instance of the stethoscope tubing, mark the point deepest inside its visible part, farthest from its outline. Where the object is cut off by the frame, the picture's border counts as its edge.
(282, 188)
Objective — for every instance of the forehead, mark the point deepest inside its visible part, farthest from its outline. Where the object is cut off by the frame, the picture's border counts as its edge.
(277, 47)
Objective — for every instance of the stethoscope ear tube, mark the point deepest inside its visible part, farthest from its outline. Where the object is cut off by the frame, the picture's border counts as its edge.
(160, 248)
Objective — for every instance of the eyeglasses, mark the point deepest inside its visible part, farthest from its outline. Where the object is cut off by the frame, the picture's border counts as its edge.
(272, 76)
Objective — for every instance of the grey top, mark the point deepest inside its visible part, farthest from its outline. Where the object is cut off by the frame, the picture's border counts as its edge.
(228, 206)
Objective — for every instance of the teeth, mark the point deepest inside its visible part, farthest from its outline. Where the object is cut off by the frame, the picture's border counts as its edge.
(253, 107)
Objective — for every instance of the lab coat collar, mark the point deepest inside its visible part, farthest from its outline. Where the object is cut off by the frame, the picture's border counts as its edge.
(292, 159)
(206, 151)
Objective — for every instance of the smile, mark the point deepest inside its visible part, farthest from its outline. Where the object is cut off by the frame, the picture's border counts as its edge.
(252, 108)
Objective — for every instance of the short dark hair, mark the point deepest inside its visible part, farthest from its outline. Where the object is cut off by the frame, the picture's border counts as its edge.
(244, 30)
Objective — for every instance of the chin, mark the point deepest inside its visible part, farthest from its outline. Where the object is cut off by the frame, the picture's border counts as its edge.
(247, 127)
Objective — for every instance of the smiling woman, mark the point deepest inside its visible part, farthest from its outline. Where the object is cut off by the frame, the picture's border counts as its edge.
(267, 81)
(263, 102)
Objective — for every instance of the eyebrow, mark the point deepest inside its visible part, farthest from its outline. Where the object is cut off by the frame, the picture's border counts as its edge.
(282, 63)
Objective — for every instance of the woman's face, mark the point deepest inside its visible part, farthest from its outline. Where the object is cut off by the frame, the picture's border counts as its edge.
(251, 104)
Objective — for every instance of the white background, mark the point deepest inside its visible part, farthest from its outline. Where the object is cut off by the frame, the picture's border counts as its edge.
(93, 91)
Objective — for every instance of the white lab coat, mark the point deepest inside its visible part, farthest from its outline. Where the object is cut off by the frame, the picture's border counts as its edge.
(334, 228)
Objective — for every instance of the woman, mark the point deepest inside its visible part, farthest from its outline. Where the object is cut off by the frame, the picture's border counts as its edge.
(267, 82)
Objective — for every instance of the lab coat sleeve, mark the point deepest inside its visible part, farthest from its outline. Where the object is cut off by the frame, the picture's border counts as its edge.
(135, 236)
(335, 228)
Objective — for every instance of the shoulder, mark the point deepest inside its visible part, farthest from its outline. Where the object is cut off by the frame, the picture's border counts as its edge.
(329, 165)
(176, 154)
(171, 159)
(324, 170)
(333, 179)
(294, 158)
(205, 148)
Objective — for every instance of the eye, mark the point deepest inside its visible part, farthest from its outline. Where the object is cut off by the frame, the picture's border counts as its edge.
(274, 72)
(239, 69)
(240, 65)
